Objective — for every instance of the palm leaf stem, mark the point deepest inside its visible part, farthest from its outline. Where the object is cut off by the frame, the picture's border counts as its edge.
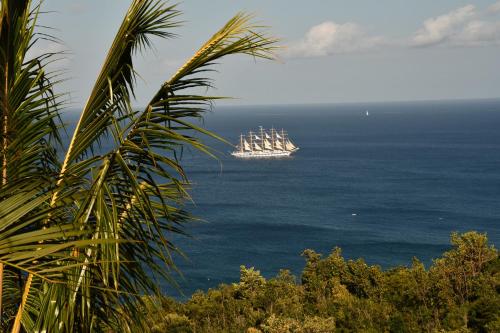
(5, 145)
(88, 253)
(17, 323)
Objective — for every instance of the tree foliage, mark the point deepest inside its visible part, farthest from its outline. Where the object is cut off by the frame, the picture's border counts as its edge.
(458, 293)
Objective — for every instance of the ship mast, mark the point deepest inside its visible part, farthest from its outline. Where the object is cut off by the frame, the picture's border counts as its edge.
(251, 140)
(283, 139)
(262, 138)
(272, 138)
(241, 143)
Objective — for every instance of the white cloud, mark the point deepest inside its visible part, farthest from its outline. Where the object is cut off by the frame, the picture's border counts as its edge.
(495, 8)
(465, 26)
(332, 38)
(439, 29)
(477, 33)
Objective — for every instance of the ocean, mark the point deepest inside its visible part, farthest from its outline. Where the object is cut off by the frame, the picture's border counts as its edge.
(385, 187)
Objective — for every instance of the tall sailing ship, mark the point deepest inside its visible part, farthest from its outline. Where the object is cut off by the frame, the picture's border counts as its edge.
(264, 143)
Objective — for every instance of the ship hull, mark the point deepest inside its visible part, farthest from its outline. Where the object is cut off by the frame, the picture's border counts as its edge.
(263, 154)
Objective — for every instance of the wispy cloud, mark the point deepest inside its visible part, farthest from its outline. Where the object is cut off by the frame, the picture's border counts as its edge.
(495, 8)
(332, 38)
(77, 8)
(466, 26)
(442, 28)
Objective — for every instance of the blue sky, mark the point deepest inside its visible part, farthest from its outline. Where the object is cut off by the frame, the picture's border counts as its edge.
(336, 50)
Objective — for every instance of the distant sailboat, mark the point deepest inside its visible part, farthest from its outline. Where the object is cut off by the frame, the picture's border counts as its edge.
(367, 113)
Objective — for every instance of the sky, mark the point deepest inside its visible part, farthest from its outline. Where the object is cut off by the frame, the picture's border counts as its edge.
(334, 51)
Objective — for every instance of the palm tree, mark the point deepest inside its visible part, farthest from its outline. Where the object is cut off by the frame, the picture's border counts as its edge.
(82, 239)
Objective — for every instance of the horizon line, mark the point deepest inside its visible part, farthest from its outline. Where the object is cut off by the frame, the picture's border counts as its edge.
(437, 100)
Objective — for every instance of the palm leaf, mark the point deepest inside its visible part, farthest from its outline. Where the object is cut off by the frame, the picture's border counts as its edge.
(111, 95)
(94, 233)
(141, 184)
(28, 122)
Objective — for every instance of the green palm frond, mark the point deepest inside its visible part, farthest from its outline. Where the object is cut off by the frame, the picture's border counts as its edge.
(29, 128)
(112, 92)
(138, 191)
(29, 107)
(86, 238)
(144, 167)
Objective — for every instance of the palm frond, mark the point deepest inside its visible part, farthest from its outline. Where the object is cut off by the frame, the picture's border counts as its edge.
(29, 133)
(111, 95)
(139, 189)
(95, 233)
(29, 107)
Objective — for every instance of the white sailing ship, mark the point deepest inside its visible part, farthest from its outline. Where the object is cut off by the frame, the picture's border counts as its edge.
(262, 143)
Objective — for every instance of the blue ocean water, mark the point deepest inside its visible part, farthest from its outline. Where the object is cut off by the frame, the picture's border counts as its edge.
(386, 187)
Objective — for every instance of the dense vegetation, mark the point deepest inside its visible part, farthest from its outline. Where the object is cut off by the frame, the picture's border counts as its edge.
(458, 293)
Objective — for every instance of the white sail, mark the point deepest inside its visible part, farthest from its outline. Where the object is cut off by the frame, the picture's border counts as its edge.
(267, 136)
(267, 144)
(278, 145)
(256, 146)
(257, 137)
(246, 145)
(278, 136)
(289, 145)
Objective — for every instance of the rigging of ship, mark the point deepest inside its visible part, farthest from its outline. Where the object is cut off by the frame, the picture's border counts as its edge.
(264, 143)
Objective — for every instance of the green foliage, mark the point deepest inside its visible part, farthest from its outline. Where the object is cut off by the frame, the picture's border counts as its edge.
(84, 236)
(458, 293)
